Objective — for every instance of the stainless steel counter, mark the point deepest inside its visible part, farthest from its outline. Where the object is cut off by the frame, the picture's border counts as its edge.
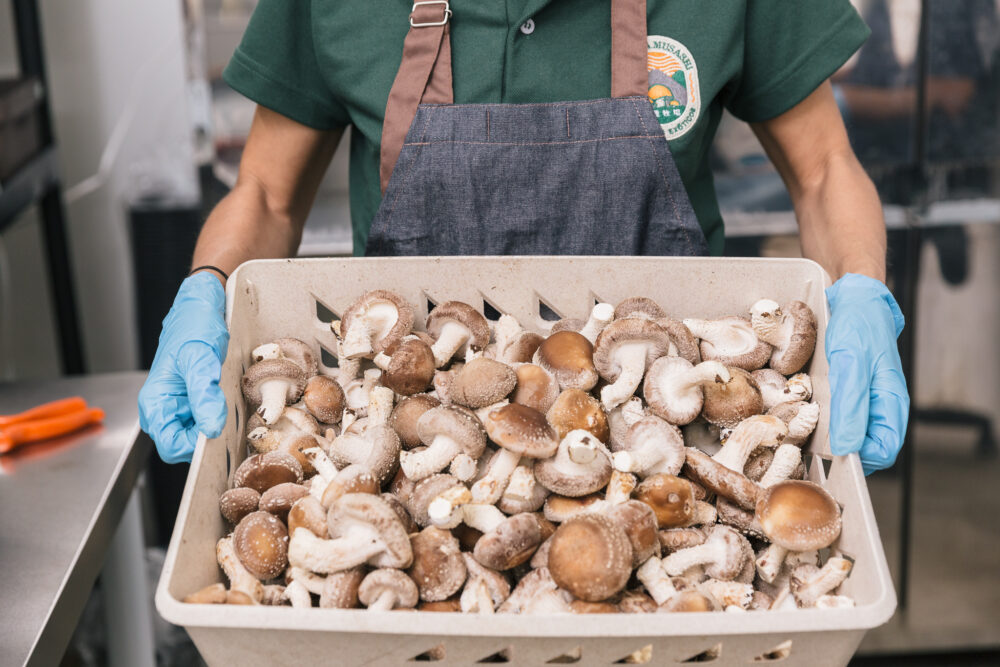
(60, 502)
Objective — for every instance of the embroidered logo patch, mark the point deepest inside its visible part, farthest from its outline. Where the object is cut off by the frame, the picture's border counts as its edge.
(673, 85)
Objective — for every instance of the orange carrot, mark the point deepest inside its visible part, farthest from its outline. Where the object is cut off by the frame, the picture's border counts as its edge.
(41, 429)
(46, 410)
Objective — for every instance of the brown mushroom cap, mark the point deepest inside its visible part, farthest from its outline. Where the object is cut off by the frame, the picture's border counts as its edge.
(584, 607)
(425, 492)
(308, 513)
(458, 425)
(690, 601)
(278, 500)
(569, 356)
(522, 348)
(799, 515)
(636, 602)
(536, 387)
(262, 471)
(575, 409)
(560, 474)
(299, 352)
(353, 478)
(324, 398)
(716, 477)
(409, 525)
(451, 604)
(363, 509)
(438, 568)
(729, 403)
(236, 503)
(626, 331)
(639, 522)
(639, 306)
(562, 508)
(567, 324)
(791, 329)
(512, 542)
(340, 589)
(405, 415)
(591, 557)
(376, 299)
(261, 544)
(274, 369)
(411, 367)
(482, 382)
(387, 580)
(682, 338)
(675, 539)
(670, 497)
(464, 314)
(522, 430)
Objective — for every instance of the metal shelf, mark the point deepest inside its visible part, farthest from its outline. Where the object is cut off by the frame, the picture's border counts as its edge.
(28, 185)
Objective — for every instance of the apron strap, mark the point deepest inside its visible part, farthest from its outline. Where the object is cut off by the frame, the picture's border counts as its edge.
(424, 75)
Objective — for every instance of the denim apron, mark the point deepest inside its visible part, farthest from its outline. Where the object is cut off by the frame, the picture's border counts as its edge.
(594, 177)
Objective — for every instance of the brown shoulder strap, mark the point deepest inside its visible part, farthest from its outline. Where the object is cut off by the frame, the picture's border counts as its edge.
(424, 75)
(425, 72)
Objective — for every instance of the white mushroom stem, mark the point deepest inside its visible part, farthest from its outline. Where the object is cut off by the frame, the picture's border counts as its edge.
(631, 358)
(464, 468)
(418, 465)
(382, 360)
(799, 387)
(831, 575)
(757, 431)
(380, 401)
(298, 595)
(311, 581)
(266, 351)
(683, 559)
(620, 487)
(482, 413)
(489, 489)
(476, 597)
(632, 411)
(272, 399)
(445, 511)
(834, 602)
(319, 460)
(639, 460)
(240, 578)
(729, 338)
(505, 330)
(729, 593)
(769, 563)
(600, 317)
(704, 373)
(317, 485)
(784, 601)
(656, 581)
(347, 369)
(453, 336)
(349, 418)
(803, 424)
(483, 518)
(521, 486)
(786, 459)
(386, 601)
(704, 513)
(376, 322)
(355, 547)
(581, 447)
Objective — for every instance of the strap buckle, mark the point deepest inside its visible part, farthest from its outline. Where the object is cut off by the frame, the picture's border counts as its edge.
(429, 24)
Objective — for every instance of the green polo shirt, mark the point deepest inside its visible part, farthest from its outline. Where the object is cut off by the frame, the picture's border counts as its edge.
(330, 63)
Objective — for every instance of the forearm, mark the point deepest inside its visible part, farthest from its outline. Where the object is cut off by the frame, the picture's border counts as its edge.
(840, 219)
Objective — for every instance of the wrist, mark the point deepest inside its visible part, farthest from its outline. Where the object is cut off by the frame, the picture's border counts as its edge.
(221, 275)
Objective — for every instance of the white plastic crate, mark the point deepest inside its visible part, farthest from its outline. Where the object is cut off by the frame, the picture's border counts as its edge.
(273, 298)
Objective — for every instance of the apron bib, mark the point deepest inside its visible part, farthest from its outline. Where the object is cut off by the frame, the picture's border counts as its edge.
(566, 178)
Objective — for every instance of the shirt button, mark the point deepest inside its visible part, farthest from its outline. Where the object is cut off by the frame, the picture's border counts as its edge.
(528, 27)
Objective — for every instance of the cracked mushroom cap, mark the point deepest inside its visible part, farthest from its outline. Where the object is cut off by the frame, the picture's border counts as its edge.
(367, 511)
(639, 306)
(790, 329)
(455, 424)
(627, 332)
(728, 403)
(385, 314)
(411, 367)
(731, 341)
(482, 382)
(299, 352)
(684, 341)
(563, 475)
(324, 398)
(799, 515)
(512, 542)
(405, 415)
(261, 544)
(591, 557)
(639, 523)
(262, 471)
(536, 387)
(569, 357)
(522, 430)
(575, 409)
(390, 587)
(283, 370)
(464, 315)
(236, 503)
(670, 497)
(438, 567)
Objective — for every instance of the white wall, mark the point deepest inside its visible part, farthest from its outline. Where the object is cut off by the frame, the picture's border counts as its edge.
(107, 58)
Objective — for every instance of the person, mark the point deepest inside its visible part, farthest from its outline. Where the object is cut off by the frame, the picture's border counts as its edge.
(541, 127)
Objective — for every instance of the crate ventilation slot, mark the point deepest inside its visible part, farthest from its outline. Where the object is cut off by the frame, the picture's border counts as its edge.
(568, 658)
(547, 312)
(435, 654)
(708, 655)
(431, 303)
(491, 312)
(324, 313)
(642, 656)
(779, 652)
(827, 465)
(327, 358)
(500, 656)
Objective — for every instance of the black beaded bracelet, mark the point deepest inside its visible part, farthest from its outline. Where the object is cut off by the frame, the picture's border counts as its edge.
(225, 276)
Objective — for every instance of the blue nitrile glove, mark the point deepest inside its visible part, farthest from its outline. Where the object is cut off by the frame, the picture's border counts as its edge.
(869, 405)
(181, 396)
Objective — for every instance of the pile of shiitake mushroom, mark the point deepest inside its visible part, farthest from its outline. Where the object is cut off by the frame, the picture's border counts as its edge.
(629, 462)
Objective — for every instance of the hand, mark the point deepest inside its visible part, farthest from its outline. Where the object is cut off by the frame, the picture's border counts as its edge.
(181, 396)
(869, 405)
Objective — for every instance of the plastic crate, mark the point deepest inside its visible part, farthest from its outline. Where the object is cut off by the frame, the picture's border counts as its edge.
(272, 298)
